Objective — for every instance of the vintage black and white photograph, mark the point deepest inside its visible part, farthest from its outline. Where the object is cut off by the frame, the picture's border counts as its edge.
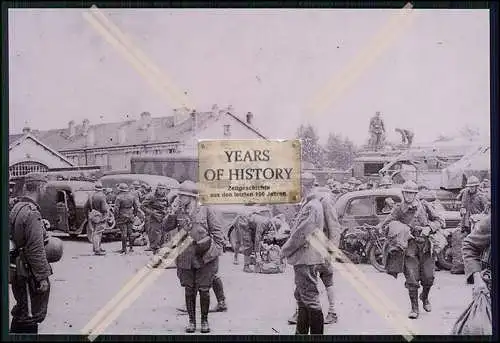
(387, 233)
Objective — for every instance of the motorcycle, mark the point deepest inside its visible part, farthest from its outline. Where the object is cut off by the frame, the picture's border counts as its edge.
(363, 244)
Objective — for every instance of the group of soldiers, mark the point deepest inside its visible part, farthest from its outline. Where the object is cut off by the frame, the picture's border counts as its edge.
(165, 211)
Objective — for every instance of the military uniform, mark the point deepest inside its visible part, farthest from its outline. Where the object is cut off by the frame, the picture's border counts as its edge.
(250, 233)
(477, 252)
(419, 260)
(155, 207)
(27, 233)
(471, 203)
(126, 207)
(198, 264)
(97, 202)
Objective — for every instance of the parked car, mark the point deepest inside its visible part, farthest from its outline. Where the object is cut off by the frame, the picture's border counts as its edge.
(62, 204)
(355, 209)
(110, 181)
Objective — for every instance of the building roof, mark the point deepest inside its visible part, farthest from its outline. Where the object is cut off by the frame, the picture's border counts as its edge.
(135, 132)
(16, 140)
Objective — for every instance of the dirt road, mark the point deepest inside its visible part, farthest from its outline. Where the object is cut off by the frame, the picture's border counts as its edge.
(258, 304)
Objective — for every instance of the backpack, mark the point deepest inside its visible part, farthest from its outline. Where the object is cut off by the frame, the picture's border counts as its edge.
(272, 261)
(95, 217)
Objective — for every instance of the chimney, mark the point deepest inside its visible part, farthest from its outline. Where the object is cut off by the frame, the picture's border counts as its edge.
(151, 133)
(71, 129)
(122, 136)
(227, 130)
(194, 123)
(90, 138)
(26, 130)
(85, 127)
(249, 118)
(145, 120)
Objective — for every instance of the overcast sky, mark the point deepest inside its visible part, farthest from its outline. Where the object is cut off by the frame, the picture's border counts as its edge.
(433, 79)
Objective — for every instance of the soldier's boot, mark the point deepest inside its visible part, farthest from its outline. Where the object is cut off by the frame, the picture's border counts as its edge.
(331, 317)
(425, 299)
(204, 305)
(414, 303)
(316, 322)
(235, 261)
(303, 321)
(293, 319)
(124, 245)
(218, 288)
(246, 264)
(190, 295)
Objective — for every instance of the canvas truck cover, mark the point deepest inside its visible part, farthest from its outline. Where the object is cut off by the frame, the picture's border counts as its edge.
(180, 168)
(476, 163)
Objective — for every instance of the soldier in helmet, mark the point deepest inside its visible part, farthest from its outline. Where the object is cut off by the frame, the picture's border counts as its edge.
(97, 210)
(352, 183)
(136, 190)
(385, 182)
(155, 207)
(473, 202)
(126, 208)
(419, 219)
(198, 264)
(30, 284)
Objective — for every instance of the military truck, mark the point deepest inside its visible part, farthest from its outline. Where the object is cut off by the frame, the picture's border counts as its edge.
(178, 167)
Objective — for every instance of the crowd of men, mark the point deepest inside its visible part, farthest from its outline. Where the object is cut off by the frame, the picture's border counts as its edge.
(412, 224)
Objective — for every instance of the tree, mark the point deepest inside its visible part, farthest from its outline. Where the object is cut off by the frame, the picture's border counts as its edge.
(311, 150)
(339, 152)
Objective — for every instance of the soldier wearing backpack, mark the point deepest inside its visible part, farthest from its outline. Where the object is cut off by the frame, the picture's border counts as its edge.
(97, 210)
(30, 281)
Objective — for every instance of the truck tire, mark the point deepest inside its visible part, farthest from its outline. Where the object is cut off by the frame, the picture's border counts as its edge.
(375, 256)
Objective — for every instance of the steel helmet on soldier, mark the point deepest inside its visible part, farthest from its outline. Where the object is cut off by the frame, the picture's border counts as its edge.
(307, 178)
(410, 187)
(54, 249)
(472, 181)
(386, 181)
(188, 188)
(352, 180)
(123, 187)
(98, 186)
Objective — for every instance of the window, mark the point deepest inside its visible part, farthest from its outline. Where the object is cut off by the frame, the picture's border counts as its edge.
(383, 207)
(360, 207)
(23, 168)
(372, 168)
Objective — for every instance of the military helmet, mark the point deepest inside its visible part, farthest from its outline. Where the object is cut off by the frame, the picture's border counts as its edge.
(410, 187)
(54, 249)
(188, 188)
(161, 186)
(352, 180)
(472, 181)
(98, 186)
(330, 182)
(308, 179)
(136, 183)
(386, 181)
(123, 187)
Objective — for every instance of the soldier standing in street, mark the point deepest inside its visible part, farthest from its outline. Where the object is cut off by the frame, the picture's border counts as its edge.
(473, 202)
(136, 190)
(199, 263)
(331, 230)
(422, 220)
(97, 210)
(126, 208)
(155, 206)
(307, 262)
(30, 284)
